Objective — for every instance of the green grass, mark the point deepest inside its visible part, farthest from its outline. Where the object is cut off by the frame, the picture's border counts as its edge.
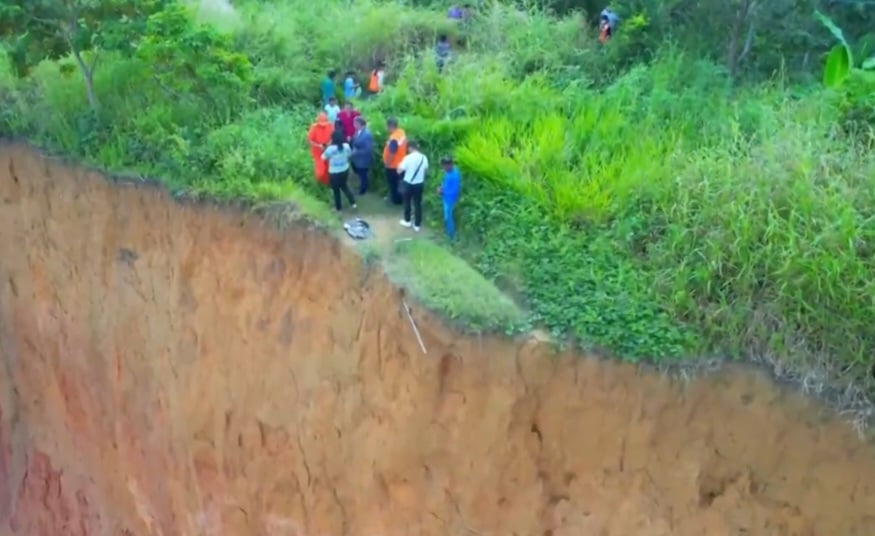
(448, 285)
(656, 212)
(294, 204)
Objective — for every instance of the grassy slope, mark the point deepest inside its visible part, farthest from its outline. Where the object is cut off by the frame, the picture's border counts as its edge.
(655, 218)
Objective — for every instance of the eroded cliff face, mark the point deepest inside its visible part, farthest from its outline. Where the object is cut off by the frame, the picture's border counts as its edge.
(176, 370)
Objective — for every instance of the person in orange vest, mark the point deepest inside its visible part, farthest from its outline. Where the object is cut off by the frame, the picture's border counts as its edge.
(378, 75)
(393, 153)
(319, 137)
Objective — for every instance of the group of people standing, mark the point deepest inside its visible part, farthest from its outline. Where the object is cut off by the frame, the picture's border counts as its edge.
(340, 142)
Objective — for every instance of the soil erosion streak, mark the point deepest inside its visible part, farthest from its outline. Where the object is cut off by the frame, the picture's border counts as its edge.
(173, 369)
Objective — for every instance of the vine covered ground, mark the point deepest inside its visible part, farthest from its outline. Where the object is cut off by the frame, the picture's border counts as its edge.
(637, 198)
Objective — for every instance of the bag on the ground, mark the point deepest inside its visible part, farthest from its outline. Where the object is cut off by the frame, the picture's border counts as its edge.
(358, 229)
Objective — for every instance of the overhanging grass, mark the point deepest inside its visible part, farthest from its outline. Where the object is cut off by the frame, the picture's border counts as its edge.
(298, 203)
(448, 285)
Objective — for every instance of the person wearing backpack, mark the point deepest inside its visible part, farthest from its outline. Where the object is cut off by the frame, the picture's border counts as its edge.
(413, 170)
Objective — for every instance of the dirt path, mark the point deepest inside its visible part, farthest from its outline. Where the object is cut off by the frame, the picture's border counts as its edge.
(384, 221)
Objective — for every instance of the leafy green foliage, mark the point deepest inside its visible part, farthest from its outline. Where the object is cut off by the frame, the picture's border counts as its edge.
(194, 59)
(838, 66)
(55, 28)
(855, 81)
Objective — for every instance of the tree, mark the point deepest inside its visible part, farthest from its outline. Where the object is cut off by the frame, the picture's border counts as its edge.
(194, 61)
(40, 29)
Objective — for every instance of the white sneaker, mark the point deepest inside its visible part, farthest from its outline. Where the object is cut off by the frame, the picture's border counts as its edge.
(405, 223)
(417, 229)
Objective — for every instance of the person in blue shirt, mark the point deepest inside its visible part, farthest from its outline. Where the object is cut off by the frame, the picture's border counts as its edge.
(351, 88)
(328, 88)
(450, 190)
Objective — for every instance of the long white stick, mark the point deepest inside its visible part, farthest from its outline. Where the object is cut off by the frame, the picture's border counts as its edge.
(413, 325)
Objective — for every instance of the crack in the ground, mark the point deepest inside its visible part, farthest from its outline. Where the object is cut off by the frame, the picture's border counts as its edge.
(304, 459)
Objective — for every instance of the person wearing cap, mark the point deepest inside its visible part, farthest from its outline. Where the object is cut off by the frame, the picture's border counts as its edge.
(393, 153)
(413, 170)
(449, 190)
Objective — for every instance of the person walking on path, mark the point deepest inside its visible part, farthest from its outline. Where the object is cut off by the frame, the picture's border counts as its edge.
(393, 153)
(327, 87)
(414, 168)
(450, 190)
(319, 136)
(337, 155)
(362, 153)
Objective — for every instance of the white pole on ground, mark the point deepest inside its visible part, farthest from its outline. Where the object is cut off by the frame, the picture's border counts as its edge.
(413, 325)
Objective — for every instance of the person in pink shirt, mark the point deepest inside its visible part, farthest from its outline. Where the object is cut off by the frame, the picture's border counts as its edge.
(346, 117)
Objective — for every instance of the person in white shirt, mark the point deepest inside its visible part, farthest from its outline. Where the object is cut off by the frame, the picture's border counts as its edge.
(332, 110)
(413, 170)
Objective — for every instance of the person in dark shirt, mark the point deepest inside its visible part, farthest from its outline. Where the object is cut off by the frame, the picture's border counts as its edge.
(442, 51)
(362, 153)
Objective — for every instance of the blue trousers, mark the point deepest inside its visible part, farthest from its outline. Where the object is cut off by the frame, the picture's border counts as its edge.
(362, 174)
(449, 223)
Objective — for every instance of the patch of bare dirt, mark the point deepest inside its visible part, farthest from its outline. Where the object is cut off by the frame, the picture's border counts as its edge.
(180, 370)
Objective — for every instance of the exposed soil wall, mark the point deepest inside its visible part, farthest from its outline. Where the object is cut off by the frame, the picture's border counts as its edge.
(177, 370)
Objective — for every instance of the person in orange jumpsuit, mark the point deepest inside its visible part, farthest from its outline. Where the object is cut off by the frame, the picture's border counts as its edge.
(319, 137)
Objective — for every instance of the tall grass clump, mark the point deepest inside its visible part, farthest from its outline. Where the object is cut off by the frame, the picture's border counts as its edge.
(767, 244)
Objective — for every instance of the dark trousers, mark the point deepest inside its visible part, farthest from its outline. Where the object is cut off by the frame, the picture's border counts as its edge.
(362, 174)
(340, 183)
(413, 196)
(392, 179)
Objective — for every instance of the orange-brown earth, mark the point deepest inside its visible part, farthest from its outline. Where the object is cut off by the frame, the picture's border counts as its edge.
(182, 370)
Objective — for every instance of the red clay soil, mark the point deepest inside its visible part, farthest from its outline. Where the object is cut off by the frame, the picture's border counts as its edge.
(178, 370)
